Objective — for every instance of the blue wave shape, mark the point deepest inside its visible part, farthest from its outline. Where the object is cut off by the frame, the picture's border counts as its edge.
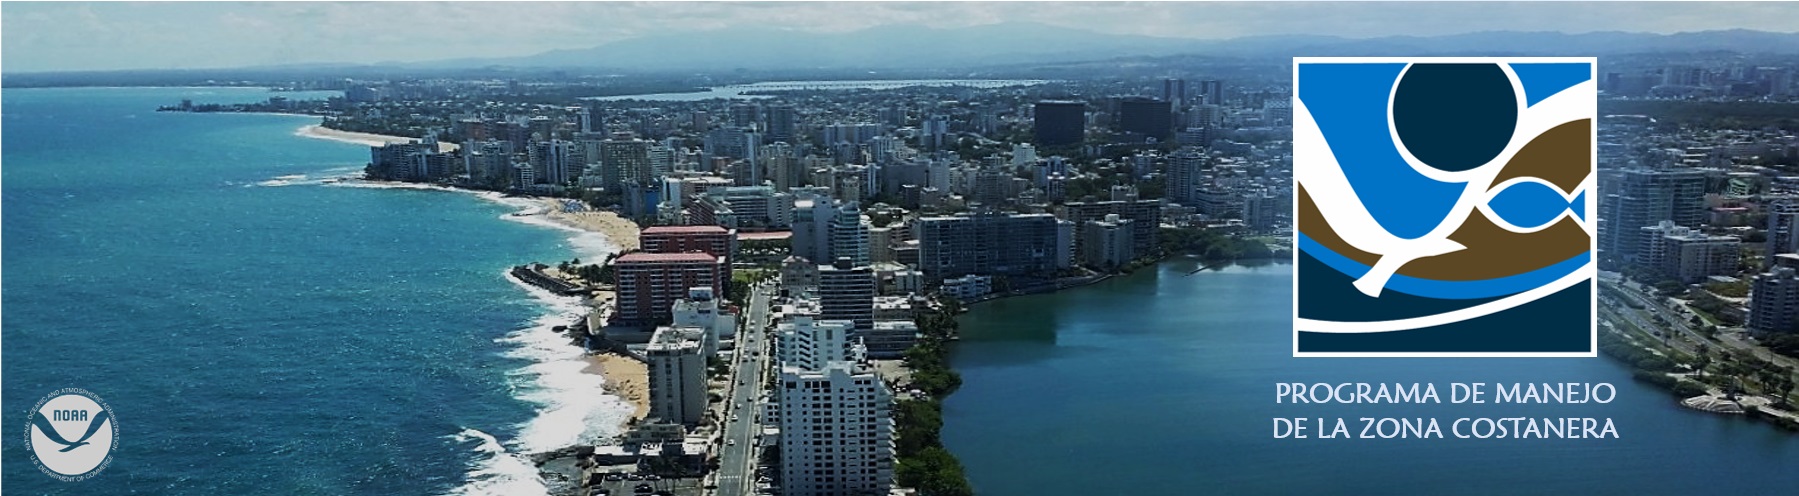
(1451, 290)
(1349, 101)
(1530, 204)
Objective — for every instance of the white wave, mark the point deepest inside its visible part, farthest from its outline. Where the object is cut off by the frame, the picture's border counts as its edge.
(572, 405)
(497, 471)
(328, 176)
(590, 246)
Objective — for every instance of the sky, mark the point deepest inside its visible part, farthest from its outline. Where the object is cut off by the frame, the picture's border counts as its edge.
(76, 36)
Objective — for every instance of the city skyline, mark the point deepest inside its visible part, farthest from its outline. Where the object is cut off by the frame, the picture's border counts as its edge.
(133, 36)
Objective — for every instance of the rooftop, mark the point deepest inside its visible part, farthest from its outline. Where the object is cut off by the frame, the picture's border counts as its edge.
(684, 230)
(641, 257)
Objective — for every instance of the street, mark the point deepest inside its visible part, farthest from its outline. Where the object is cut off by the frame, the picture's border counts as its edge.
(737, 458)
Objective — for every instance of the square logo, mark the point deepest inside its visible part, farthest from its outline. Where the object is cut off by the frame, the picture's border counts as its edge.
(1444, 207)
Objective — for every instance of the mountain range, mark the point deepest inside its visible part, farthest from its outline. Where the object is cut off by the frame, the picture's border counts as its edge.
(909, 47)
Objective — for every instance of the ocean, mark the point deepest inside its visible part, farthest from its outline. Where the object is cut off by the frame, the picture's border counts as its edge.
(1164, 383)
(255, 328)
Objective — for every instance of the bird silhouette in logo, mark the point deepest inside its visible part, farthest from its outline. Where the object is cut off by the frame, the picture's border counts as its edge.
(43, 425)
(1420, 162)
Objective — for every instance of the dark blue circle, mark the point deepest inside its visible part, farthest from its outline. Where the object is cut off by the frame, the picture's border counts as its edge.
(1455, 117)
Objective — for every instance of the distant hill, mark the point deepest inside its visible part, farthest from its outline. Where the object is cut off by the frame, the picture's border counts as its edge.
(908, 47)
(920, 50)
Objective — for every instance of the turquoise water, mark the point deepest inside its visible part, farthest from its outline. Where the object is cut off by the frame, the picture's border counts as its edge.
(1163, 383)
(254, 329)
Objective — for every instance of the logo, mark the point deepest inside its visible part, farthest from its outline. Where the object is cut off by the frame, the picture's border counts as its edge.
(71, 434)
(1443, 207)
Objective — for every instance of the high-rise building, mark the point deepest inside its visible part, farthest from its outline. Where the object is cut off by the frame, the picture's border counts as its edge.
(934, 133)
(1174, 91)
(1145, 217)
(677, 366)
(742, 206)
(717, 241)
(1213, 92)
(412, 161)
(1186, 171)
(836, 431)
(556, 162)
(1059, 123)
(849, 234)
(745, 115)
(1106, 243)
(1644, 198)
(847, 292)
(1146, 116)
(649, 283)
(1687, 255)
(781, 123)
(812, 215)
(1783, 229)
(988, 243)
(624, 158)
(488, 162)
(702, 309)
(1774, 302)
(585, 118)
(810, 343)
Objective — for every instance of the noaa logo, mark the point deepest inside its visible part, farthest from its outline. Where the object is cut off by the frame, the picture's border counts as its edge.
(71, 434)
(1443, 206)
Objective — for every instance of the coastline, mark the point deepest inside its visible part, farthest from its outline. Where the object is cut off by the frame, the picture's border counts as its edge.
(319, 131)
(626, 378)
(622, 232)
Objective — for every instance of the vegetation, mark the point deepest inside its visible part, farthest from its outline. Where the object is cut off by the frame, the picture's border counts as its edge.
(1213, 245)
(1784, 343)
(923, 462)
(1709, 115)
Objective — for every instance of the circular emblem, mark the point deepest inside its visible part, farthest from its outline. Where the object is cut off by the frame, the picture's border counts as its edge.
(71, 434)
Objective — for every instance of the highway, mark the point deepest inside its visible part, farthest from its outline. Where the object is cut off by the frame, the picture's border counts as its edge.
(1676, 322)
(737, 458)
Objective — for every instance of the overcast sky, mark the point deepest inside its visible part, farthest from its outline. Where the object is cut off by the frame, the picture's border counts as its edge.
(101, 36)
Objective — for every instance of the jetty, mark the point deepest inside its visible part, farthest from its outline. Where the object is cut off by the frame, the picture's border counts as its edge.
(533, 274)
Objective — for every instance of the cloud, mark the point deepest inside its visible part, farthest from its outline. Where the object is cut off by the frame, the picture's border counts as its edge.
(89, 36)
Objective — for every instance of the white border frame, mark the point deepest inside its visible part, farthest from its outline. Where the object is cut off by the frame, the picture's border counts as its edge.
(1592, 209)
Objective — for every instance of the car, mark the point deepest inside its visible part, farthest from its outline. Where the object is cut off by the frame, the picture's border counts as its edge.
(730, 442)
(635, 477)
(599, 491)
(652, 477)
(735, 418)
(643, 488)
(615, 477)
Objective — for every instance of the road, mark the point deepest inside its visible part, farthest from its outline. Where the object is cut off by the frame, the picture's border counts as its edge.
(737, 458)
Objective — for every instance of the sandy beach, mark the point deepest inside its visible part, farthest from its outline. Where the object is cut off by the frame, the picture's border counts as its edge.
(625, 377)
(621, 231)
(321, 132)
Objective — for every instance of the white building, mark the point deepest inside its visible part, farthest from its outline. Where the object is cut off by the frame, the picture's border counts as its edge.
(677, 363)
(809, 343)
(702, 310)
(836, 431)
(1687, 255)
(1774, 302)
(968, 287)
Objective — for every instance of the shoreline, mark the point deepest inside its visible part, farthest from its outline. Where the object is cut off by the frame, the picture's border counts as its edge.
(626, 378)
(623, 233)
(319, 131)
